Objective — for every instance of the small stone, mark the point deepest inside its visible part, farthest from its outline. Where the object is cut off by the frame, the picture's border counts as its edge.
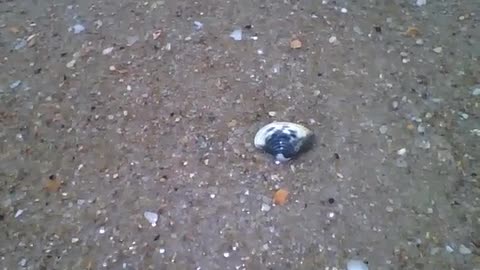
(464, 116)
(198, 25)
(421, 2)
(343, 10)
(265, 207)
(22, 262)
(383, 129)
(419, 41)
(412, 31)
(71, 64)
(295, 44)
(272, 113)
(31, 40)
(236, 34)
(421, 129)
(101, 230)
(18, 213)
(395, 104)
(162, 250)
(112, 68)
(402, 151)
(226, 254)
(156, 34)
(75, 240)
(430, 210)
(356, 265)
(151, 217)
(77, 28)
(464, 250)
(438, 49)
(107, 51)
(389, 209)
(449, 249)
(333, 40)
(15, 84)
(476, 91)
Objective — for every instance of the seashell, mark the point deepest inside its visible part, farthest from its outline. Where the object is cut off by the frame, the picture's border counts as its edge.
(283, 140)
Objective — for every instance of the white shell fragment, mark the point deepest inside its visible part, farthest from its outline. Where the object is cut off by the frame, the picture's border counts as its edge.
(151, 217)
(356, 265)
(236, 34)
(283, 140)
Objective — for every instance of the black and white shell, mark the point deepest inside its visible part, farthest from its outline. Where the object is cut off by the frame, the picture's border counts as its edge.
(283, 140)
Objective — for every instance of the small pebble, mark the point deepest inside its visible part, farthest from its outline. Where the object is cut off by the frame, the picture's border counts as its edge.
(389, 209)
(226, 254)
(19, 213)
(356, 265)
(162, 250)
(383, 129)
(419, 41)
(101, 230)
(333, 40)
(464, 116)
(272, 113)
(15, 84)
(198, 25)
(343, 10)
(402, 151)
(75, 240)
(22, 262)
(421, 2)
(77, 28)
(236, 35)
(395, 105)
(464, 250)
(438, 49)
(421, 129)
(449, 249)
(476, 91)
(151, 217)
(434, 250)
(265, 207)
(71, 64)
(295, 44)
(107, 51)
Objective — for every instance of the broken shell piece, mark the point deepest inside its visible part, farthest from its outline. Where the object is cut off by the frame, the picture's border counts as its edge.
(284, 140)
